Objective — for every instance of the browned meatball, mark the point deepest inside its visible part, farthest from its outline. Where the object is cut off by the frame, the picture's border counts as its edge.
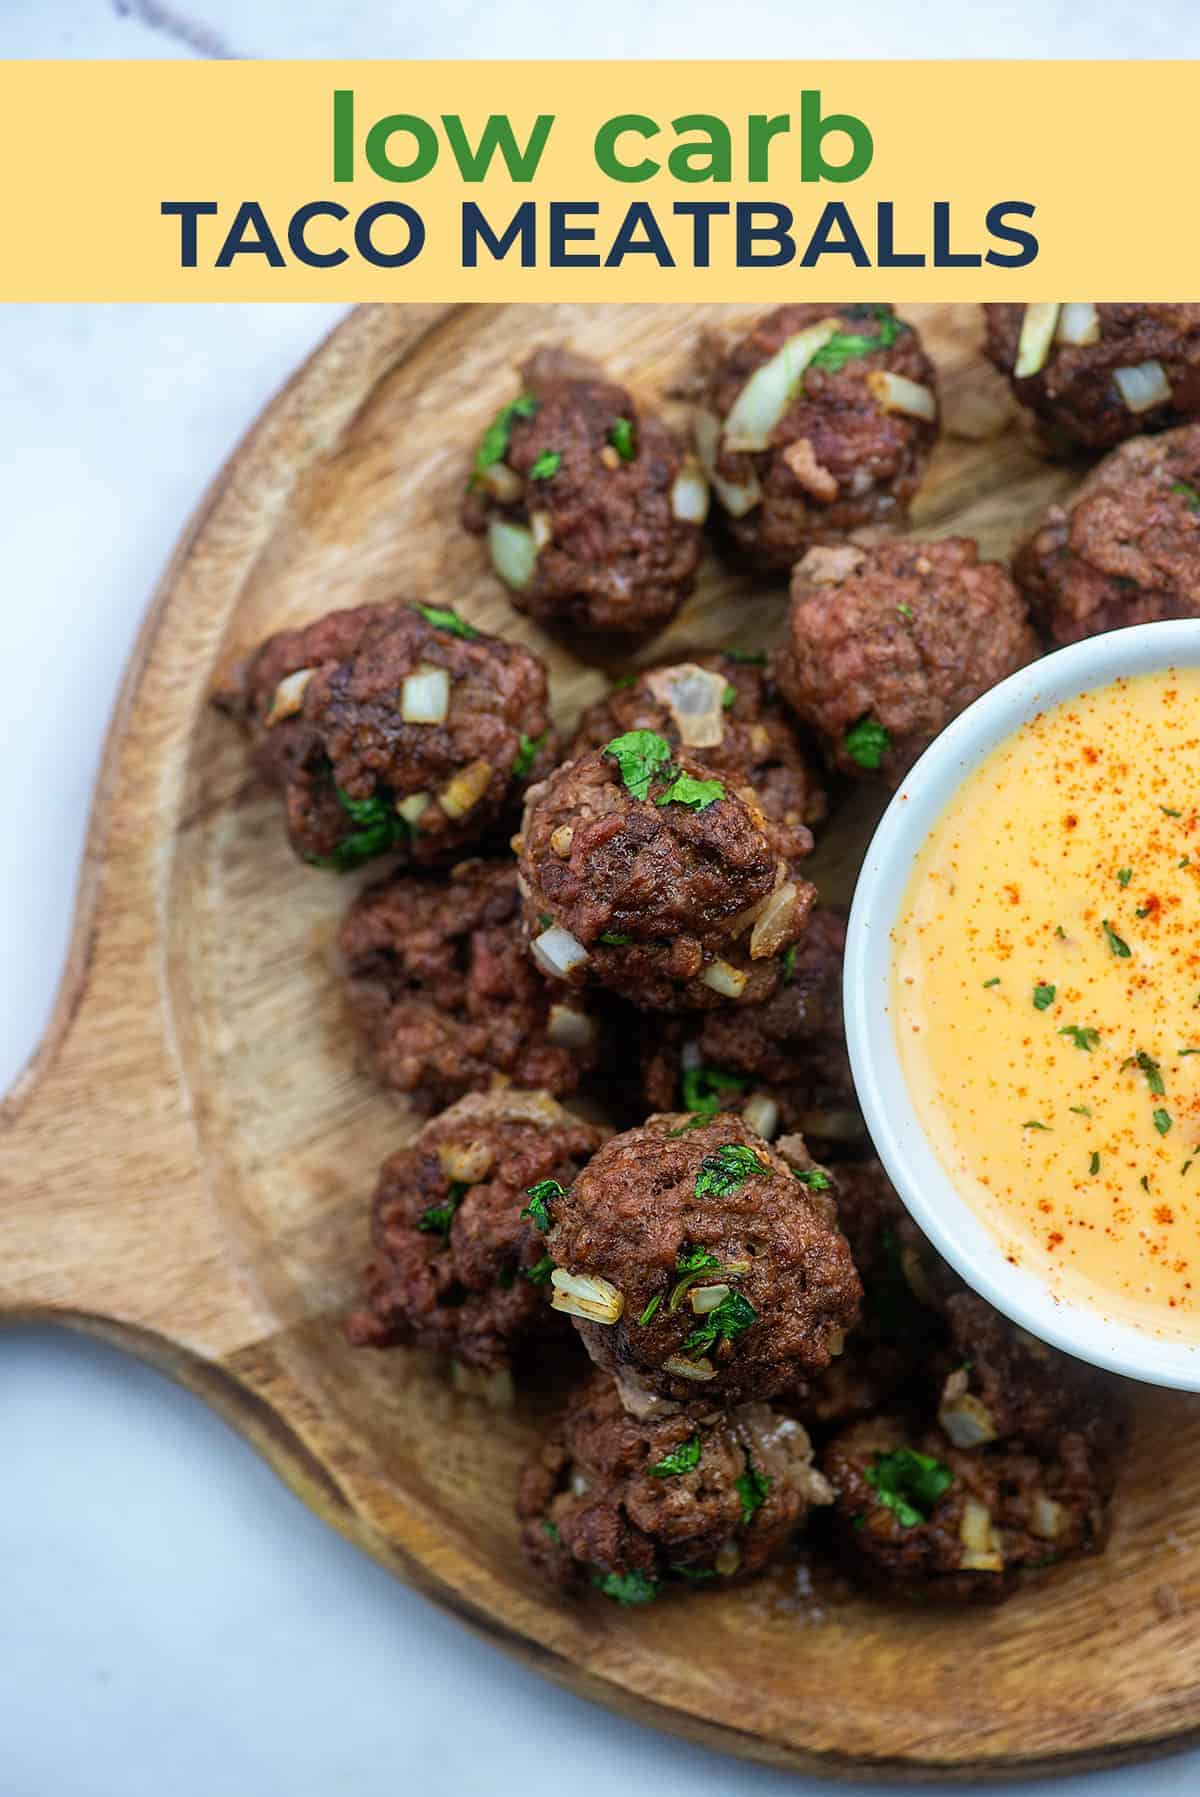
(1088, 354)
(698, 1260)
(446, 996)
(592, 512)
(391, 728)
(804, 452)
(456, 1267)
(782, 1064)
(1126, 547)
(652, 877)
(915, 1515)
(723, 709)
(885, 645)
(698, 1495)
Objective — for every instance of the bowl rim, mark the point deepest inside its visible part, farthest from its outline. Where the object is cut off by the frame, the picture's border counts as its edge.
(910, 1161)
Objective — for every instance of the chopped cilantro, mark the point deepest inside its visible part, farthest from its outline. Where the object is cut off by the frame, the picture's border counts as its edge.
(1187, 1051)
(639, 754)
(757, 658)
(1142, 911)
(731, 1318)
(1118, 947)
(1034, 1124)
(615, 939)
(1189, 493)
(1124, 875)
(906, 611)
(815, 1178)
(621, 436)
(701, 1087)
(1162, 1122)
(1169, 811)
(551, 1529)
(729, 696)
(540, 1271)
(436, 1220)
(843, 346)
(725, 1170)
(526, 753)
(494, 443)
(684, 790)
(752, 1488)
(546, 465)
(379, 829)
(1082, 1110)
(1094, 1163)
(442, 618)
(789, 962)
(696, 1260)
(867, 742)
(1149, 1066)
(1085, 1038)
(994, 981)
(680, 1460)
(1043, 997)
(909, 1484)
(626, 1587)
(539, 1196)
(650, 1310)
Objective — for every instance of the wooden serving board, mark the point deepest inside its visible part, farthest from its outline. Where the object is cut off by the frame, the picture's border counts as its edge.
(186, 1165)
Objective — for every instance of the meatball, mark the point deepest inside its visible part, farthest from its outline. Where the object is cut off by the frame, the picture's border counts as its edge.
(591, 508)
(695, 1257)
(1126, 548)
(391, 728)
(445, 996)
(651, 877)
(782, 1063)
(885, 645)
(917, 1516)
(1095, 375)
(817, 423)
(698, 1495)
(456, 1266)
(724, 709)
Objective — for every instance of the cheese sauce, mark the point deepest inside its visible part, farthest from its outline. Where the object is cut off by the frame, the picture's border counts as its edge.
(1046, 997)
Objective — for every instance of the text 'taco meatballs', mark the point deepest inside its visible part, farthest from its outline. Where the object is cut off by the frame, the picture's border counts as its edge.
(592, 509)
(817, 423)
(650, 876)
(697, 1260)
(391, 728)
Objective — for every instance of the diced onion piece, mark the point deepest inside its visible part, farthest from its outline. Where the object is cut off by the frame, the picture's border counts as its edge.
(464, 791)
(695, 698)
(706, 1297)
(467, 1161)
(288, 696)
(966, 1420)
(1049, 1519)
(541, 529)
(729, 981)
(496, 1389)
(836, 1342)
(981, 1551)
(513, 551)
(689, 492)
(568, 1028)
(738, 497)
(502, 482)
(411, 808)
(896, 393)
(1037, 334)
(1144, 387)
(728, 1559)
(1079, 324)
(770, 390)
(425, 695)
(558, 953)
(561, 840)
(774, 921)
(700, 1370)
(585, 1295)
(762, 1114)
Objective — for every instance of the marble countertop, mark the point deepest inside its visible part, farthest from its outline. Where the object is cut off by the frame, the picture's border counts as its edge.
(173, 1619)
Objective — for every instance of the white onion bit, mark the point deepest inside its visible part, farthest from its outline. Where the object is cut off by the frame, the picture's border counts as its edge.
(411, 808)
(541, 529)
(288, 696)
(774, 920)
(561, 840)
(568, 1028)
(728, 1559)
(1037, 334)
(467, 1161)
(689, 493)
(966, 1420)
(770, 390)
(762, 1114)
(729, 981)
(738, 497)
(558, 953)
(695, 698)
(706, 1297)
(1079, 324)
(896, 393)
(698, 1370)
(465, 789)
(513, 552)
(1049, 1518)
(586, 1295)
(981, 1550)
(1144, 387)
(425, 695)
(502, 482)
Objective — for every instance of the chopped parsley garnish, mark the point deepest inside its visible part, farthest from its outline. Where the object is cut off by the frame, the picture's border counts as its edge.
(539, 1196)
(551, 1529)
(1124, 875)
(626, 1587)
(540, 1271)
(1143, 911)
(732, 1317)
(867, 742)
(815, 1178)
(494, 442)
(1082, 1110)
(843, 346)
(436, 1220)
(639, 754)
(1149, 1066)
(757, 658)
(1043, 997)
(615, 939)
(684, 790)
(752, 1488)
(726, 1169)
(994, 981)
(906, 611)
(1187, 1051)
(1085, 1037)
(1162, 1122)
(442, 618)
(1169, 811)
(379, 828)
(526, 752)
(1094, 1163)
(789, 962)
(546, 465)
(697, 1260)
(1034, 1124)
(621, 436)
(1189, 493)
(680, 1460)
(909, 1484)
(650, 1310)
(1119, 947)
(729, 696)
(701, 1088)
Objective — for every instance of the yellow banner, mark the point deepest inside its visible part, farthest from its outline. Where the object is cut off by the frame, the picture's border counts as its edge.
(597, 181)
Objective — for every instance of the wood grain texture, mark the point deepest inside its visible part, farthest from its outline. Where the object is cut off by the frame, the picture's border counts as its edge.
(186, 1164)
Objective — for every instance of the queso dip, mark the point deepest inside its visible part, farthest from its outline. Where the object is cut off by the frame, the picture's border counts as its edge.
(1046, 997)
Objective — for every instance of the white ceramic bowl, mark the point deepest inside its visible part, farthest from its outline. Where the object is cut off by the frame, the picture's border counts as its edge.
(918, 1175)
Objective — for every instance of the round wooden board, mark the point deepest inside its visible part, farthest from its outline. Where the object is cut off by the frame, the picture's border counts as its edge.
(186, 1164)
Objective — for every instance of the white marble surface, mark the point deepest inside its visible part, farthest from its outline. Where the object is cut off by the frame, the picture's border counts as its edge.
(172, 1620)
